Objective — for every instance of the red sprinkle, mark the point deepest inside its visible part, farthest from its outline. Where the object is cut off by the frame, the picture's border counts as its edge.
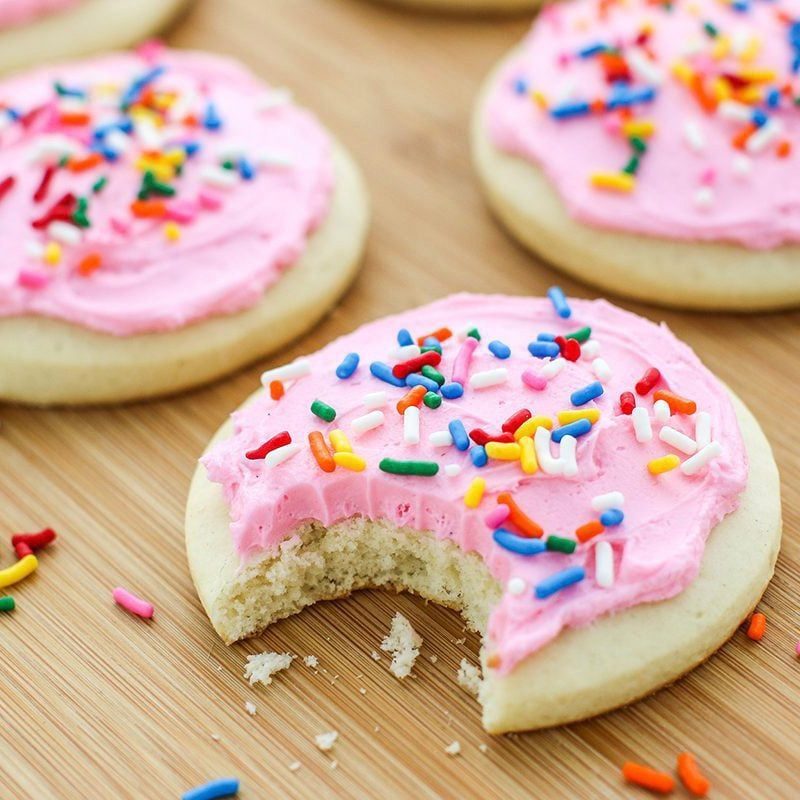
(405, 368)
(22, 550)
(278, 440)
(62, 211)
(481, 437)
(44, 184)
(650, 378)
(34, 540)
(627, 402)
(516, 419)
(570, 348)
(6, 185)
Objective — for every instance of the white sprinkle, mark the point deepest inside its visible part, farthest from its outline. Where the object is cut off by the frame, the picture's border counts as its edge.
(643, 67)
(411, 425)
(565, 464)
(375, 400)
(604, 565)
(569, 446)
(462, 333)
(491, 377)
(693, 134)
(64, 232)
(680, 441)
(453, 749)
(51, 148)
(590, 349)
(601, 370)
(218, 177)
(250, 708)
(231, 151)
(451, 470)
(702, 429)
(552, 368)
(441, 439)
(273, 160)
(661, 411)
(118, 141)
(404, 352)
(326, 741)
(281, 454)
(367, 422)
(742, 165)
(764, 136)
(704, 197)
(694, 464)
(731, 109)
(565, 90)
(288, 372)
(602, 502)
(34, 249)
(148, 135)
(275, 98)
(516, 586)
(641, 424)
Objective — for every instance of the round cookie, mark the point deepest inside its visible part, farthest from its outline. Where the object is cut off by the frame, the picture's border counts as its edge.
(619, 143)
(485, 500)
(468, 6)
(37, 31)
(168, 218)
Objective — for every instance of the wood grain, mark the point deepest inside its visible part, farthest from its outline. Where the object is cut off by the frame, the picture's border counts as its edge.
(97, 704)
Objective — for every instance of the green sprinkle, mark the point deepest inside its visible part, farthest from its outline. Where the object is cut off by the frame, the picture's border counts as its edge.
(435, 348)
(63, 161)
(432, 400)
(711, 29)
(638, 144)
(7, 603)
(99, 184)
(61, 90)
(431, 372)
(228, 164)
(632, 167)
(323, 411)
(425, 468)
(560, 544)
(80, 219)
(581, 335)
(474, 333)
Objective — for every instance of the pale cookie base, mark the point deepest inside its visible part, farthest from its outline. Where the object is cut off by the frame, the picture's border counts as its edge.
(46, 361)
(586, 671)
(468, 6)
(700, 275)
(91, 26)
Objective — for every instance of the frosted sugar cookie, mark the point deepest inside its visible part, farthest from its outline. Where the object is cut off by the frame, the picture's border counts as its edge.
(467, 6)
(647, 148)
(571, 478)
(165, 218)
(36, 31)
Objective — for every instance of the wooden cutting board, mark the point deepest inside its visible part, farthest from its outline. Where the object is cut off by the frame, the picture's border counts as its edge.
(97, 704)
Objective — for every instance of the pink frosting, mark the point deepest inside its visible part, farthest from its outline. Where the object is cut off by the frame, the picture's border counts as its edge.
(232, 242)
(16, 12)
(658, 547)
(692, 183)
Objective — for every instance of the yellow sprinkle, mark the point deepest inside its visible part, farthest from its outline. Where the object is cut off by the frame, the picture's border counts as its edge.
(639, 127)
(350, 461)
(172, 231)
(16, 572)
(339, 441)
(722, 89)
(663, 464)
(175, 157)
(721, 48)
(613, 181)
(52, 253)
(474, 493)
(682, 71)
(751, 50)
(757, 74)
(749, 95)
(528, 455)
(503, 451)
(565, 417)
(539, 99)
(159, 166)
(528, 428)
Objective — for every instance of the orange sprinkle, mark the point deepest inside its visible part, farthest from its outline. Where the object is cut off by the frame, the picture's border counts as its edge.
(148, 208)
(590, 529)
(493, 660)
(82, 164)
(276, 390)
(740, 139)
(412, 398)
(784, 148)
(519, 518)
(74, 118)
(442, 334)
(89, 263)
(691, 777)
(190, 120)
(648, 778)
(757, 626)
(598, 106)
(676, 403)
(707, 102)
(320, 451)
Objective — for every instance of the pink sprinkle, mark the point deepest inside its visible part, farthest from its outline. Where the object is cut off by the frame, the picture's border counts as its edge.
(797, 649)
(132, 603)
(563, 59)
(534, 381)
(181, 211)
(463, 359)
(497, 516)
(120, 226)
(708, 177)
(32, 280)
(151, 50)
(209, 201)
(612, 124)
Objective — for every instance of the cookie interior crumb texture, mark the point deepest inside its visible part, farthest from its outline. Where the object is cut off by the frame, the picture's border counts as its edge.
(469, 677)
(403, 642)
(260, 668)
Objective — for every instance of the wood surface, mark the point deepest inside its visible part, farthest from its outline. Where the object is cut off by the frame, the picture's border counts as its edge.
(97, 704)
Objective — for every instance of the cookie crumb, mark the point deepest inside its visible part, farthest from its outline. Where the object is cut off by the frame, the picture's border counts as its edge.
(483, 747)
(375, 656)
(260, 668)
(469, 677)
(433, 659)
(250, 708)
(294, 766)
(403, 642)
(311, 661)
(453, 749)
(216, 737)
(325, 741)
(334, 764)
(362, 690)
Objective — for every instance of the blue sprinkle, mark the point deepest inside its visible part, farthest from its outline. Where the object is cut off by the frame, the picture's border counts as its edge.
(211, 119)
(773, 98)
(624, 97)
(740, 5)
(559, 301)
(544, 349)
(592, 50)
(521, 545)
(520, 86)
(453, 390)
(611, 517)
(404, 337)
(794, 33)
(222, 787)
(758, 117)
(577, 108)
(459, 434)
(545, 337)
(415, 379)
(577, 428)
(478, 455)
(431, 341)
(582, 396)
(383, 372)
(499, 349)
(246, 169)
(190, 148)
(348, 366)
(559, 580)
(132, 93)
